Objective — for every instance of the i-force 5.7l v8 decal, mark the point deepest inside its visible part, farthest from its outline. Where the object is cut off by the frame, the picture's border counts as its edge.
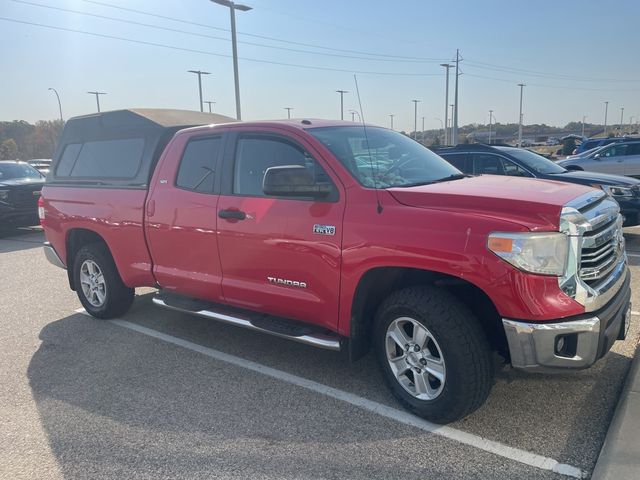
(288, 283)
(324, 229)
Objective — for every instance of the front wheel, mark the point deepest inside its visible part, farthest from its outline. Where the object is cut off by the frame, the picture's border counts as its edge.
(98, 284)
(433, 353)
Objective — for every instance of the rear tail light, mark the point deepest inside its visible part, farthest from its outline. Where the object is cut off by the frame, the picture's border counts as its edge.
(41, 210)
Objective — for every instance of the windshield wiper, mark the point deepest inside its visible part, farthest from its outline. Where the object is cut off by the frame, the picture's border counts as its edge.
(455, 176)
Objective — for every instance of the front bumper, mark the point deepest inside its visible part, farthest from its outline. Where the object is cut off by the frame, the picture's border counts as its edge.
(574, 343)
(630, 210)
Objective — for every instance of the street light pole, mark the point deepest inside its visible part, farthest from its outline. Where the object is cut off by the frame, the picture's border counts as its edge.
(200, 73)
(391, 115)
(415, 119)
(451, 125)
(234, 43)
(584, 117)
(621, 119)
(341, 92)
(209, 103)
(288, 109)
(454, 132)
(446, 100)
(490, 119)
(97, 94)
(60, 105)
(606, 109)
(422, 130)
(521, 85)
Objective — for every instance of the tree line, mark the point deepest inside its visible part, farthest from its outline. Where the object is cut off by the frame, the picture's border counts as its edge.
(20, 140)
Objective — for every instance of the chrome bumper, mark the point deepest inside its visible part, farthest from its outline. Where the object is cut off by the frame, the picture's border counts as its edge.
(572, 344)
(52, 256)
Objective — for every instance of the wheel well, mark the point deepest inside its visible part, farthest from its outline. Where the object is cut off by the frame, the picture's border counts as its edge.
(376, 284)
(76, 239)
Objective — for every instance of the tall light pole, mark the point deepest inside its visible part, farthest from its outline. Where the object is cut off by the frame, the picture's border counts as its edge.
(446, 101)
(353, 114)
(455, 112)
(441, 126)
(422, 136)
(200, 73)
(521, 85)
(584, 117)
(288, 109)
(209, 103)
(606, 110)
(60, 105)
(490, 121)
(97, 94)
(621, 119)
(415, 119)
(232, 11)
(391, 115)
(631, 123)
(341, 92)
(451, 125)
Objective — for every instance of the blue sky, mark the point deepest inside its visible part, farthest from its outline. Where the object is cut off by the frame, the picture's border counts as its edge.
(573, 55)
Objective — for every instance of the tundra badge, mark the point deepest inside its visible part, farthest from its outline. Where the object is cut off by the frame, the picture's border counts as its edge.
(288, 283)
(324, 229)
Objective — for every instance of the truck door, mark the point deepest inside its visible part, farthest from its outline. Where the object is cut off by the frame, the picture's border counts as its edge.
(181, 218)
(279, 255)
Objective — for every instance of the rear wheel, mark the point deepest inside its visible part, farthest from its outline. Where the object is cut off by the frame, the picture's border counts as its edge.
(434, 355)
(100, 289)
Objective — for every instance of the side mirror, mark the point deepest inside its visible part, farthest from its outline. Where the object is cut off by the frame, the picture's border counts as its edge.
(293, 181)
(596, 156)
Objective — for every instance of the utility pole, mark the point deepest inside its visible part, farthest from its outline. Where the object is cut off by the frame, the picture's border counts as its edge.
(232, 10)
(423, 130)
(391, 115)
(446, 102)
(621, 119)
(521, 85)
(209, 103)
(451, 125)
(606, 109)
(288, 109)
(490, 118)
(353, 116)
(415, 119)
(200, 73)
(97, 94)
(341, 92)
(60, 105)
(584, 117)
(455, 112)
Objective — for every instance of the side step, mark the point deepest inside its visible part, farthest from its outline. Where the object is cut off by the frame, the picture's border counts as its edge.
(279, 327)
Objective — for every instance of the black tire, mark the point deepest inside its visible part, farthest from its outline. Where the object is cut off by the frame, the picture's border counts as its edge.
(117, 297)
(464, 346)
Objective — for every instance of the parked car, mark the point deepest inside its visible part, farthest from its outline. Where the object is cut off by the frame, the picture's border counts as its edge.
(478, 159)
(338, 235)
(552, 141)
(621, 158)
(41, 164)
(20, 186)
(596, 142)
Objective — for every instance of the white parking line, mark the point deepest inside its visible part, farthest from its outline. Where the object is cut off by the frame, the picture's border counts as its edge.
(521, 456)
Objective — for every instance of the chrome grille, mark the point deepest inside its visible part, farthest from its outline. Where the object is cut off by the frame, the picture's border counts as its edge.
(602, 246)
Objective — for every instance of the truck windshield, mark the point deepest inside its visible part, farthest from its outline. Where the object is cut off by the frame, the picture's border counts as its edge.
(383, 158)
(10, 171)
(533, 161)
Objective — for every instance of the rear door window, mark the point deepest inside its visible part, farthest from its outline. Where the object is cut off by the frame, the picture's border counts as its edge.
(487, 164)
(198, 165)
(458, 160)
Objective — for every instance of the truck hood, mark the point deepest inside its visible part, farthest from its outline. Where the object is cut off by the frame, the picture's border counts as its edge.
(599, 178)
(534, 204)
(13, 182)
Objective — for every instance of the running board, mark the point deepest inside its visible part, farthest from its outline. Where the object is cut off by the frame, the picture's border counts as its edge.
(279, 327)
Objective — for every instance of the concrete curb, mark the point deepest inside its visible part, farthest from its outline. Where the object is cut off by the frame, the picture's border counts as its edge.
(620, 455)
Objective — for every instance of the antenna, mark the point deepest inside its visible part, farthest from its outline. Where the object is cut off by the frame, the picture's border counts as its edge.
(366, 139)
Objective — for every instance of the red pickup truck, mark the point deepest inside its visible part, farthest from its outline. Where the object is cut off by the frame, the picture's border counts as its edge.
(339, 235)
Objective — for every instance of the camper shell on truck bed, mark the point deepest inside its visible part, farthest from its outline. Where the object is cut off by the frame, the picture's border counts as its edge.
(119, 148)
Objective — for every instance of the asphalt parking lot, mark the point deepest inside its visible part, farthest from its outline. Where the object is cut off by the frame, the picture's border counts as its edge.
(160, 394)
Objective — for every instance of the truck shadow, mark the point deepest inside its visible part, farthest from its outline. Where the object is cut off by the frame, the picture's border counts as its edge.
(14, 239)
(122, 401)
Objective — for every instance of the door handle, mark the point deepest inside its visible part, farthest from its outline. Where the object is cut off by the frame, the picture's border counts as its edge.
(232, 214)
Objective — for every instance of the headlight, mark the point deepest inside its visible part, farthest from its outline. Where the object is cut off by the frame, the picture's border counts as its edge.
(617, 191)
(4, 195)
(541, 253)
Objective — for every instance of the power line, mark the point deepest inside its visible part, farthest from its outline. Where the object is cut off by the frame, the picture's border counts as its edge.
(485, 77)
(203, 52)
(264, 37)
(203, 35)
